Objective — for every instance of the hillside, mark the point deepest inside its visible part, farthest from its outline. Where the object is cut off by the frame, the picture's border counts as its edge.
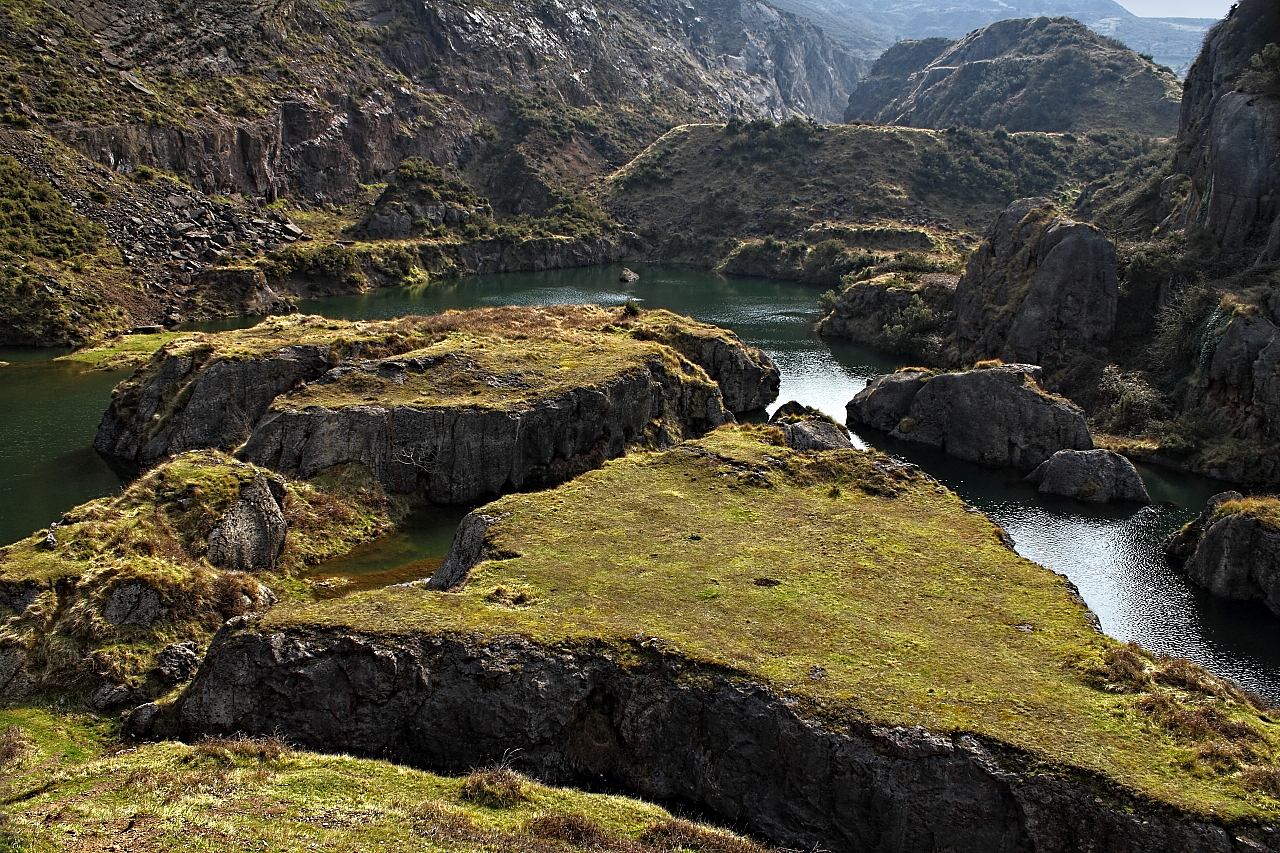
(1173, 42)
(1046, 74)
(200, 146)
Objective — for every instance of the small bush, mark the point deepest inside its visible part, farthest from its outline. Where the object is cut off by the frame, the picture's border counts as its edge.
(573, 829)
(15, 745)
(225, 750)
(497, 787)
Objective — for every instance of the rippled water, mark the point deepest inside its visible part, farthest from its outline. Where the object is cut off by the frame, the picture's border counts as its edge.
(48, 414)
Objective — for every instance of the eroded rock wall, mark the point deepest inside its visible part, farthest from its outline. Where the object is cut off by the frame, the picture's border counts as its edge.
(664, 729)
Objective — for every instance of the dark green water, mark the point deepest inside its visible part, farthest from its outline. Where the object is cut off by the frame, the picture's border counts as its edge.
(48, 414)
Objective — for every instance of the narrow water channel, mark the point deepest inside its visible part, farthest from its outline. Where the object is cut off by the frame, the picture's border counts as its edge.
(48, 413)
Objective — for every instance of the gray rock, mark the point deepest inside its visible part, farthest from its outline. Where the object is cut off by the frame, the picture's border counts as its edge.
(1039, 289)
(467, 550)
(804, 429)
(465, 455)
(137, 723)
(1094, 476)
(251, 534)
(176, 662)
(1235, 556)
(109, 695)
(628, 276)
(886, 400)
(16, 681)
(133, 603)
(727, 747)
(995, 416)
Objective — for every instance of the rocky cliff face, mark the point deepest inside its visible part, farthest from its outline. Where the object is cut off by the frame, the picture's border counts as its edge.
(1232, 549)
(997, 416)
(665, 729)
(1051, 74)
(374, 81)
(1039, 289)
(446, 417)
(1229, 136)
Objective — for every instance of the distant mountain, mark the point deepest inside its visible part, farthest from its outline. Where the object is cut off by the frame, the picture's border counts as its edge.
(1174, 42)
(1046, 74)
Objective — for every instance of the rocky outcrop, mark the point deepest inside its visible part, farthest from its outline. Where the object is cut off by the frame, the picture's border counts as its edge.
(1229, 137)
(1093, 476)
(804, 428)
(250, 535)
(190, 401)
(996, 416)
(911, 318)
(133, 603)
(747, 376)
(1039, 289)
(1230, 551)
(665, 729)
(463, 454)
(1053, 75)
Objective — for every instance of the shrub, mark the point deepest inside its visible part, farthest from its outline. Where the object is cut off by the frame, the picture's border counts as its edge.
(497, 787)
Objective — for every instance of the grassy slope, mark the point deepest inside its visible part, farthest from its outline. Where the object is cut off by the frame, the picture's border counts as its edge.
(699, 190)
(70, 790)
(911, 606)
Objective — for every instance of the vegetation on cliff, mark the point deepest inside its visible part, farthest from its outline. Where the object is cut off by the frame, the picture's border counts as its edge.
(76, 790)
(881, 597)
(96, 598)
(1046, 74)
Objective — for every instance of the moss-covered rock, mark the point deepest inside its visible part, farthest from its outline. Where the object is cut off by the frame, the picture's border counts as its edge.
(878, 665)
(93, 601)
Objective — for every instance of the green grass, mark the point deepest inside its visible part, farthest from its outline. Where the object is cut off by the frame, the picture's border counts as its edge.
(1264, 509)
(914, 608)
(122, 352)
(72, 790)
(156, 533)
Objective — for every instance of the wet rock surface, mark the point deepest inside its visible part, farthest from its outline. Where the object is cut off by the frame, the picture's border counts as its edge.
(996, 416)
(1094, 476)
(1040, 288)
(732, 749)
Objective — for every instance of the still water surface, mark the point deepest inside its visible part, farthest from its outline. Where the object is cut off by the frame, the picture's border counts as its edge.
(48, 413)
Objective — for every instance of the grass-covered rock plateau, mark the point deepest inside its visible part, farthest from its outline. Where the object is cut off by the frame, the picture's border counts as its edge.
(827, 649)
(457, 408)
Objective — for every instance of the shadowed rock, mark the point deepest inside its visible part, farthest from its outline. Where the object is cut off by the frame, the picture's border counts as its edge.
(251, 534)
(996, 416)
(1040, 288)
(804, 428)
(133, 604)
(1095, 476)
(1231, 554)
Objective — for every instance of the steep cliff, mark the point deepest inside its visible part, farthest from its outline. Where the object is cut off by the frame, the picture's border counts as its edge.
(880, 673)
(1047, 74)
(458, 407)
(1232, 549)
(1229, 135)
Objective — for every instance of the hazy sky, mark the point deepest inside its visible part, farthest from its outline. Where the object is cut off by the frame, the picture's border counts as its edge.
(1177, 8)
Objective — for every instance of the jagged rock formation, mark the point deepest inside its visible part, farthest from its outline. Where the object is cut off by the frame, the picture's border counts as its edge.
(1229, 136)
(804, 428)
(1232, 549)
(1094, 476)
(453, 68)
(912, 318)
(1046, 74)
(445, 416)
(997, 416)
(1039, 289)
(251, 534)
(736, 749)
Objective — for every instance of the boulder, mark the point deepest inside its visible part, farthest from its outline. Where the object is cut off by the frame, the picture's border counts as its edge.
(886, 400)
(996, 416)
(887, 312)
(804, 428)
(1040, 288)
(176, 662)
(1094, 476)
(628, 276)
(251, 534)
(133, 603)
(1232, 554)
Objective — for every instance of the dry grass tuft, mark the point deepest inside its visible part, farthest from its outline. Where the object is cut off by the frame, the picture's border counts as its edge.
(1265, 780)
(573, 829)
(15, 745)
(497, 787)
(264, 750)
(1194, 722)
(677, 834)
